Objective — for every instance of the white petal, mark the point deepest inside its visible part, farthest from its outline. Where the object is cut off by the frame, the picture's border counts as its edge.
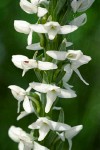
(39, 147)
(52, 33)
(59, 55)
(29, 64)
(35, 46)
(74, 55)
(67, 86)
(57, 126)
(75, 5)
(46, 65)
(18, 59)
(73, 131)
(79, 21)
(35, 2)
(17, 92)
(14, 133)
(43, 131)
(78, 73)
(29, 40)
(67, 29)
(43, 88)
(18, 109)
(52, 25)
(22, 26)
(57, 108)
(22, 115)
(68, 44)
(21, 146)
(70, 144)
(27, 105)
(36, 125)
(39, 28)
(62, 136)
(66, 93)
(83, 60)
(41, 11)
(68, 74)
(28, 7)
(51, 97)
(85, 5)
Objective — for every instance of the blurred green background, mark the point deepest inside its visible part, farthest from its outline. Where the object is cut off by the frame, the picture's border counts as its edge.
(85, 109)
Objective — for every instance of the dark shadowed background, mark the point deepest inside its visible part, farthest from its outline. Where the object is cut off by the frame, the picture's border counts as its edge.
(85, 109)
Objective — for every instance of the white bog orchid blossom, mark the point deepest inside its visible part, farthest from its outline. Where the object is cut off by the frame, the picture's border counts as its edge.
(45, 125)
(24, 63)
(76, 59)
(53, 28)
(70, 133)
(21, 95)
(24, 139)
(79, 21)
(33, 7)
(24, 27)
(52, 92)
(81, 5)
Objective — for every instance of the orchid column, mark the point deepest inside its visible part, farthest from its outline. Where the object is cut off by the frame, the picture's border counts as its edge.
(53, 68)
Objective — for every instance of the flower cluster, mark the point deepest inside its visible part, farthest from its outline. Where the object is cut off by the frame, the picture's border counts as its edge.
(53, 68)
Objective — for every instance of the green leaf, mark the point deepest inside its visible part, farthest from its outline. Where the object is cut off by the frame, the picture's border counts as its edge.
(61, 116)
(51, 138)
(64, 20)
(60, 76)
(60, 145)
(45, 77)
(40, 57)
(59, 6)
(63, 46)
(38, 74)
(36, 102)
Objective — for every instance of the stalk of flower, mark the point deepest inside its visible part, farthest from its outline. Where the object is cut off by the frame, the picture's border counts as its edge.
(54, 68)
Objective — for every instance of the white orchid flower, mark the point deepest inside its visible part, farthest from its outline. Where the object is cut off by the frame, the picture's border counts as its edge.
(23, 62)
(33, 7)
(53, 28)
(79, 21)
(24, 27)
(81, 5)
(70, 133)
(52, 92)
(76, 59)
(75, 64)
(21, 95)
(34, 47)
(24, 139)
(45, 125)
